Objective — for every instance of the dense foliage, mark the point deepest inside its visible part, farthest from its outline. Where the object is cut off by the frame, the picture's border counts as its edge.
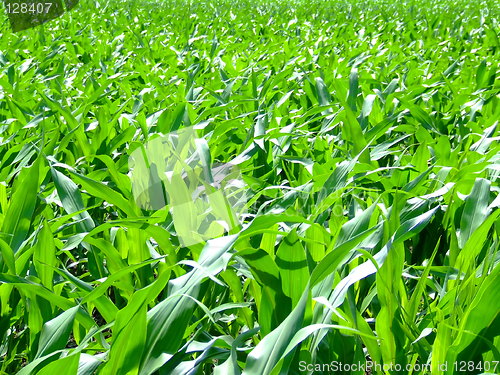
(366, 134)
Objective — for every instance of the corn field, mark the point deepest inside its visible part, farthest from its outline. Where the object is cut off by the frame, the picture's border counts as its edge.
(238, 187)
